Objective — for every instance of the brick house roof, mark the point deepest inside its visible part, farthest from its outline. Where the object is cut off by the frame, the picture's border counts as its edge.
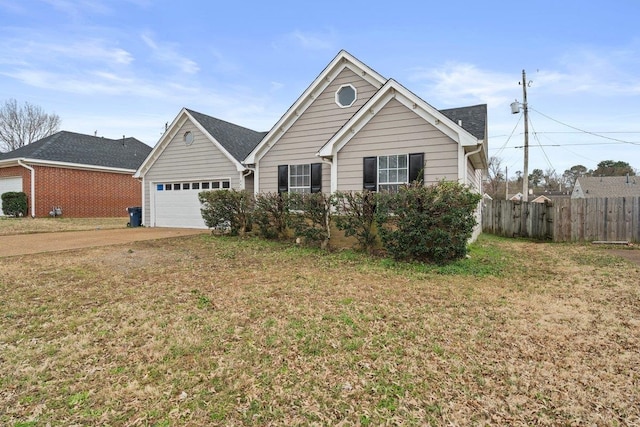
(70, 147)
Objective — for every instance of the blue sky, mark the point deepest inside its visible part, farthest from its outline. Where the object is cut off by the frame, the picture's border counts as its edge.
(127, 67)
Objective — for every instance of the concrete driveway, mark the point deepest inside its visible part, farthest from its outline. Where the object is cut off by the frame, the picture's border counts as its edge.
(23, 244)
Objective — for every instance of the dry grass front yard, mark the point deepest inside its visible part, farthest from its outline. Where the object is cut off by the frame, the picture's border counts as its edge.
(10, 226)
(218, 331)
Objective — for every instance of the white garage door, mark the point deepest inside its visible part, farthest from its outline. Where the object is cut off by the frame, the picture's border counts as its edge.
(7, 185)
(176, 204)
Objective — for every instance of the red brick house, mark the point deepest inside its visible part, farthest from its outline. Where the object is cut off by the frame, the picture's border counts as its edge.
(85, 176)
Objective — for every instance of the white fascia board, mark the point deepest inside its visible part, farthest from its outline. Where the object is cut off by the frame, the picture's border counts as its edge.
(157, 150)
(67, 165)
(11, 162)
(340, 62)
(239, 166)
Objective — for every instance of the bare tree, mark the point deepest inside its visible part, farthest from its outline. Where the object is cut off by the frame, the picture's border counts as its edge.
(495, 177)
(20, 126)
(552, 181)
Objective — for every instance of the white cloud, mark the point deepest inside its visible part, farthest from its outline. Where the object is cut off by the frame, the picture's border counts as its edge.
(76, 9)
(314, 41)
(168, 53)
(59, 53)
(457, 83)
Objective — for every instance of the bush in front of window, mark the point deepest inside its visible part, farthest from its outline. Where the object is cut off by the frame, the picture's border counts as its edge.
(14, 203)
(311, 219)
(355, 216)
(431, 224)
(227, 210)
(272, 215)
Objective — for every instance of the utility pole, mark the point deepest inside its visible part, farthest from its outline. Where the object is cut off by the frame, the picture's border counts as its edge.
(525, 107)
(506, 183)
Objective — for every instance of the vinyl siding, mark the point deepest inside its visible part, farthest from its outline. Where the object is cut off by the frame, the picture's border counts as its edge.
(200, 160)
(312, 130)
(473, 179)
(398, 130)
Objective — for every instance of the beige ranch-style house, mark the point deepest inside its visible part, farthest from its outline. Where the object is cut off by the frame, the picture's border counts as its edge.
(351, 130)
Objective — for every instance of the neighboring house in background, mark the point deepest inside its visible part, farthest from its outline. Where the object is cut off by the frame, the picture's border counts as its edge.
(350, 130)
(86, 176)
(606, 186)
(541, 199)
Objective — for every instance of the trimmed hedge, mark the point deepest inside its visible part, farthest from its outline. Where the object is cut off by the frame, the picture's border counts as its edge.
(416, 223)
(14, 203)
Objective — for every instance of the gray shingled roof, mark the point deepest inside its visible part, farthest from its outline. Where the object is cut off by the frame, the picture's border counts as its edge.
(474, 119)
(608, 186)
(70, 147)
(237, 140)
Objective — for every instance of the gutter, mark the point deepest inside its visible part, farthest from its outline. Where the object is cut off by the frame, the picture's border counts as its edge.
(33, 186)
(466, 158)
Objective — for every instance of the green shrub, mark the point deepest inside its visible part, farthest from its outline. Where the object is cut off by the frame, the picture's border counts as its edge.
(313, 219)
(431, 223)
(14, 203)
(272, 215)
(227, 210)
(355, 215)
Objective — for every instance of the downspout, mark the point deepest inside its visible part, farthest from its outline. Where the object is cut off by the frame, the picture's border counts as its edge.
(478, 228)
(333, 185)
(466, 162)
(33, 187)
(248, 171)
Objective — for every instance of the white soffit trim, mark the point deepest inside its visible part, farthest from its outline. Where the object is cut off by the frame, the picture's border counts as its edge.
(343, 60)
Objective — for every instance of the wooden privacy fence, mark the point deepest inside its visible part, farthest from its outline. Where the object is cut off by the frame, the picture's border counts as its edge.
(565, 220)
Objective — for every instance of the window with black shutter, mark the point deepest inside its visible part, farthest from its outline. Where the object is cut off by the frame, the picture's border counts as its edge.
(416, 167)
(283, 178)
(389, 172)
(303, 178)
(316, 177)
(370, 173)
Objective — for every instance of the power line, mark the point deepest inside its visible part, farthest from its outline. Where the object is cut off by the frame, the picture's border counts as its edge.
(509, 138)
(586, 131)
(535, 135)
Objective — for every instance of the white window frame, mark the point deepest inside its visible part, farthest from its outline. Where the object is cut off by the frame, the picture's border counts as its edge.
(389, 172)
(300, 178)
(355, 96)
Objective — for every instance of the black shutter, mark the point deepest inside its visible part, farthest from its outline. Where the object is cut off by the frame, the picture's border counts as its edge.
(370, 173)
(316, 177)
(283, 178)
(416, 167)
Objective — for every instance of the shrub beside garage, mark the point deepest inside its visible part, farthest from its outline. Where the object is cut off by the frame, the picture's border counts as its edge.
(14, 203)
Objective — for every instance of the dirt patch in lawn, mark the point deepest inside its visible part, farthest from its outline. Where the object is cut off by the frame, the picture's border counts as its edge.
(202, 330)
(631, 254)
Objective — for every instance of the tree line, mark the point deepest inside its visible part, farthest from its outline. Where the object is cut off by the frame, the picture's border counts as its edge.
(21, 125)
(497, 183)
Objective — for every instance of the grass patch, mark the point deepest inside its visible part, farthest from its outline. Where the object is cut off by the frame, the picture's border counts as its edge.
(225, 331)
(28, 225)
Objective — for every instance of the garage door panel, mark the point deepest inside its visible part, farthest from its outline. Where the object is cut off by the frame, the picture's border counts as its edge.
(178, 209)
(181, 208)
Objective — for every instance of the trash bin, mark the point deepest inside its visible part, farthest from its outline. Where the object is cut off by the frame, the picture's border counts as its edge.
(135, 216)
